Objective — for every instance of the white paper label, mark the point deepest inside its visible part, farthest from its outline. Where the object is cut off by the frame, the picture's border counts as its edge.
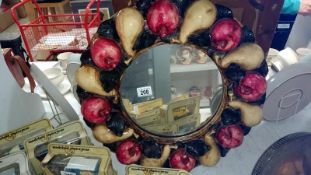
(144, 91)
(283, 26)
(67, 173)
(82, 163)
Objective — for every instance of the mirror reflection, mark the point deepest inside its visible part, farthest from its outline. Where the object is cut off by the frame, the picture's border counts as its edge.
(171, 90)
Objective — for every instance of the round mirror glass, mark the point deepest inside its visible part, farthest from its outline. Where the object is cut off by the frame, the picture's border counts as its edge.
(171, 89)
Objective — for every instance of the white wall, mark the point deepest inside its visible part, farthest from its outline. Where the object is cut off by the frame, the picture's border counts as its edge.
(301, 33)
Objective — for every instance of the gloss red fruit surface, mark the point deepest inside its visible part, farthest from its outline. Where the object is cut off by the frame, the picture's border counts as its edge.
(251, 87)
(226, 34)
(128, 151)
(180, 159)
(105, 53)
(95, 110)
(163, 18)
(230, 136)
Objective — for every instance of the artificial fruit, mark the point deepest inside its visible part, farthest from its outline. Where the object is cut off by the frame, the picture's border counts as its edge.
(251, 115)
(251, 87)
(105, 53)
(143, 6)
(104, 135)
(116, 123)
(163, 18)
(248, 36)
(196, 148)
(211, 157)
(230, 116)
(223, 12)
(248, 56)
(180, 159)
(230, 136)
(107, 29)
(95, 110)
(234, 72)
(153, 162)
(129, 25)
(200, 15)
(226, 34)
(87, 78)
(128, 151)
(263, 69)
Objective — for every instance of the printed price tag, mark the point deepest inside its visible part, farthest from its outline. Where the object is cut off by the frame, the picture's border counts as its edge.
(67, 173)
(144, 91)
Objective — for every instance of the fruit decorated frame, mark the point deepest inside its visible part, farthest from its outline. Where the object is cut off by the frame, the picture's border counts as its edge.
(208, 27)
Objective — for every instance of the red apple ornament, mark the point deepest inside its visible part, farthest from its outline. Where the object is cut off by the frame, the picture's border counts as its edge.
(95, 110)
(251, 87)
(226, 34)
(163, 18)
(128, 151)
(180, 159)
(230, 136)
(105, 53)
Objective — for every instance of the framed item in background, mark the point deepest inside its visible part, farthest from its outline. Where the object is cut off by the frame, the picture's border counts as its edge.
(79, 6)
(104, 13)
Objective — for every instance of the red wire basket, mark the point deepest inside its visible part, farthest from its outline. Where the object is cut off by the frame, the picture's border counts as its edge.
(49, 34)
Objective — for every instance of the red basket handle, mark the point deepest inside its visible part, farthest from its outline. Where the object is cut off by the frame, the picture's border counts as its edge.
(87, 12)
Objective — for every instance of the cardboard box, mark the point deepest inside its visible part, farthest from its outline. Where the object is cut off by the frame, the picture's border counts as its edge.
(6, 20)
(179, 109)
(182, 126)
(69, 133)
(163, 129)
(149, 117)
(16, 163)
(13, 141)
(140, 108)
(77, 159)
(141, 170)
(188, 124)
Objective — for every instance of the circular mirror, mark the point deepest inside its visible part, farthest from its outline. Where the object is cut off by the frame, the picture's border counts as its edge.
(153, 89)
(169, 90)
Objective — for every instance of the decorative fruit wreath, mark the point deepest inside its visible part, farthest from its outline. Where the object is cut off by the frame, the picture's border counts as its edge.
(200, 23)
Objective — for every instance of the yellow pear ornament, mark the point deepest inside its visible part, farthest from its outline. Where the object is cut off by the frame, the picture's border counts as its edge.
(104, 135)
(249, 56)
(129, 24)
(87, 78)
(212, 157)
(200, 15)
(251, 115)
